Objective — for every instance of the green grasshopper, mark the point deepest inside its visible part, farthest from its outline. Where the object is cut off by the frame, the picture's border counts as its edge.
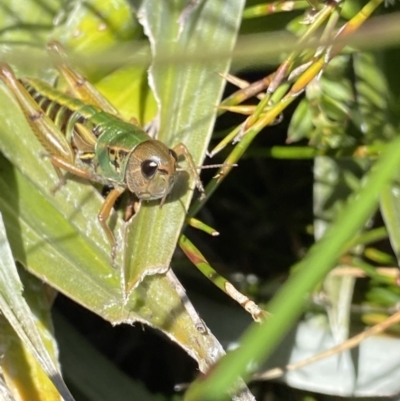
(85, 135)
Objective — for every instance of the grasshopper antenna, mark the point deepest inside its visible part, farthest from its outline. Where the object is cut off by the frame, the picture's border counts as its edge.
(215, 166)
(210, 166)
(199, 184)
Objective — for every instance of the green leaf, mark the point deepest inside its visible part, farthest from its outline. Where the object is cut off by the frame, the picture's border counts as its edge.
(27, 22)
(373, 99)
(95, 25)
(301, 124)
(390, 208)
(35, 335)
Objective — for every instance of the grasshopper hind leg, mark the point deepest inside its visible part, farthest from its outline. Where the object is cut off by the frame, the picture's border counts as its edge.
(61, 180)
(54, 142)
(78, 85)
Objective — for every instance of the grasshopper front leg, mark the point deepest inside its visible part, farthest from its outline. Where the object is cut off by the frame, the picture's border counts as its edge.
(104, 214)
(181, 149)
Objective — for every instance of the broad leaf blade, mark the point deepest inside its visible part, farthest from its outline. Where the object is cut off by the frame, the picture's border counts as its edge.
(187, 94)
(16, 310)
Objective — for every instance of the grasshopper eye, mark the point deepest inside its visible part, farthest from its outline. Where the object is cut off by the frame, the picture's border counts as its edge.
(149, 168)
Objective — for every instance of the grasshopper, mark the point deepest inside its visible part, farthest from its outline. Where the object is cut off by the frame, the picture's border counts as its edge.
(84, 135)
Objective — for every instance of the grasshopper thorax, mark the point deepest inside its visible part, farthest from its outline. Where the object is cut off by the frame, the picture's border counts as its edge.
(150, 170)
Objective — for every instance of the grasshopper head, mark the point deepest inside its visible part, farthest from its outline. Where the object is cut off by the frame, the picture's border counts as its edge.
(151, 170)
